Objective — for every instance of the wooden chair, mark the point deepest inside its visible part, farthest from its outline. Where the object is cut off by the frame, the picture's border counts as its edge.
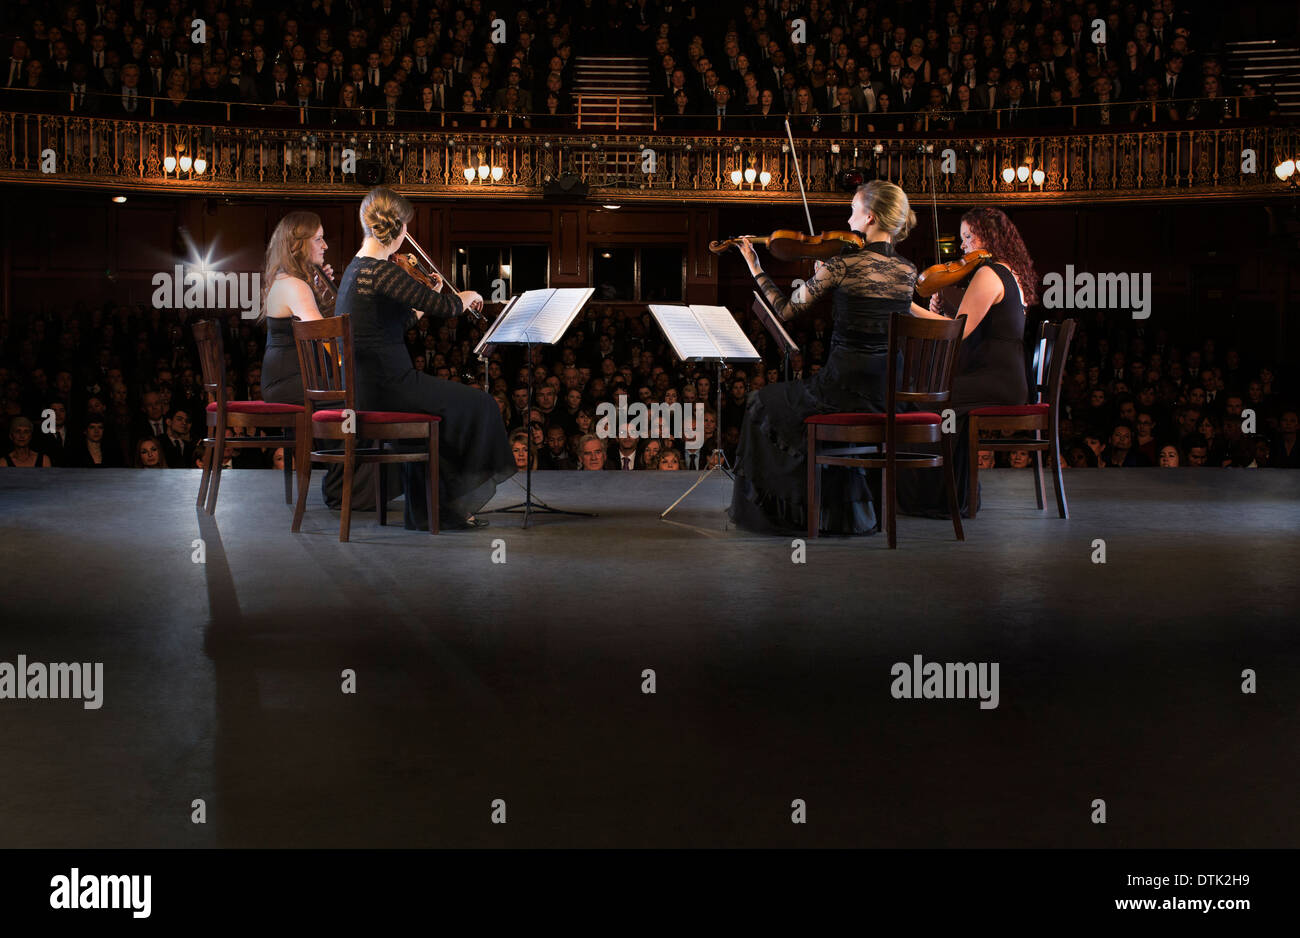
(1042, 417)
(928, 350)
(222, 413)
(329, 377)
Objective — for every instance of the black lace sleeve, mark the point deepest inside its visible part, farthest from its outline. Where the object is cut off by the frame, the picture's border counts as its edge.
(827, 278)
(396, 284)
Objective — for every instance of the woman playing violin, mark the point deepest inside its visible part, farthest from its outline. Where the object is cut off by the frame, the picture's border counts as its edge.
(991, 364)
(867, 287)
(381, 297)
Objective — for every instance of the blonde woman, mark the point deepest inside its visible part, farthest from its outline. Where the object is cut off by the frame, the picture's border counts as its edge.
(383, 300)
(866, 288)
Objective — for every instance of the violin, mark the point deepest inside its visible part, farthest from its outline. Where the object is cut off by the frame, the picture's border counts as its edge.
(426, 272)
(789, 245)
(940, 276)
(326, 292)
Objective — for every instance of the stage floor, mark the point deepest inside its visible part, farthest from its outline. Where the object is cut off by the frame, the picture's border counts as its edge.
(522, 681)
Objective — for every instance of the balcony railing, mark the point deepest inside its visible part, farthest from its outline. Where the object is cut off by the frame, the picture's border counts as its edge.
(1176, 161)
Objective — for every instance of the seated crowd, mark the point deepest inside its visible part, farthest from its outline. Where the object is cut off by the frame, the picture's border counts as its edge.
(120, 387)
(942, 64)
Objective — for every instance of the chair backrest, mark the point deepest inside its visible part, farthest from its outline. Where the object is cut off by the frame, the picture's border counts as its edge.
(1052, 354)
(927, 351)
(212, 360)
(325, 360)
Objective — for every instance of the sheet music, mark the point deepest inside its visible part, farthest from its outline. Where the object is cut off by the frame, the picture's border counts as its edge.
(704, 332)
(537, 317)
(732, 343)
(685, 332)
(540, 317)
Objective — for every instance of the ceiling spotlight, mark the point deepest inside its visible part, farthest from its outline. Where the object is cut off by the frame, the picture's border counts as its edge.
(119, 198)
(612, 208)
(606, 254)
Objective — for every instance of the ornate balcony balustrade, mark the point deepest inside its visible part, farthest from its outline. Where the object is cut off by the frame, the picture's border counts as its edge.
(1170, 162)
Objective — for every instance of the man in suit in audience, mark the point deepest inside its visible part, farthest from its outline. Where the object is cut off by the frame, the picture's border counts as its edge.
(127, 100)
(84, 98)
(178, 451)
(280, 88)
(986, 95)
(1036, 94)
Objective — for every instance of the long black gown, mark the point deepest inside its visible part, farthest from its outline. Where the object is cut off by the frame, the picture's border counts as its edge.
(282, 384)
(474, 451)
(990, 372)
(770, 493)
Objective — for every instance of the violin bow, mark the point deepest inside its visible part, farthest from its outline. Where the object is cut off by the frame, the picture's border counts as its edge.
(794, 155)
(934, 205)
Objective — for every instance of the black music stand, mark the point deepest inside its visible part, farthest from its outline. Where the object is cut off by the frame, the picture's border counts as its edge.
(537, 317)
(772, 322)
(705, 334)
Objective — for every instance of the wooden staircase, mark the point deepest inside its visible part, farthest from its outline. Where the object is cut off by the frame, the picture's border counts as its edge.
(1272, 64)
(613, 93)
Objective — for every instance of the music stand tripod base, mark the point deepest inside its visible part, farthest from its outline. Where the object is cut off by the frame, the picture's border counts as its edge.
(721, 465)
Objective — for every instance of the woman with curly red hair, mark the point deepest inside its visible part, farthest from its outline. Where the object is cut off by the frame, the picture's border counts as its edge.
(991, 366)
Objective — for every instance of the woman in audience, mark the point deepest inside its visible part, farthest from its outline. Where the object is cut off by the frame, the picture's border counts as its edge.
(469, 116)
(148, 454)
(21, 455)
(348, 112)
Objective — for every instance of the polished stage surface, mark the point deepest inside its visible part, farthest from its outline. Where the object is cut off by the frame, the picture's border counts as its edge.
(522, 680)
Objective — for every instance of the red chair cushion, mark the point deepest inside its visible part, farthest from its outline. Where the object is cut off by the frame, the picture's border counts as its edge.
(374, 416)
(872, 420)
(256, 407)
(1011, 410)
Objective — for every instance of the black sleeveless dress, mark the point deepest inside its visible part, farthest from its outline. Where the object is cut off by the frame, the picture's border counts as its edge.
(770, 493)
(282, 384)
(990, 372)
(474, 451)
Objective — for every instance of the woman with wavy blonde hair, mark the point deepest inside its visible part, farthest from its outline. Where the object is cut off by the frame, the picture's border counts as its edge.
(866, 288)
(383, 299)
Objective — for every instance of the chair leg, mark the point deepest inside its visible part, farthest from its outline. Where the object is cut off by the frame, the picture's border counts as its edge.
(349, 449)
(950, 476)
(381, 490)
(302, 460)
(432, 475)
(1040, 482)
(206, 476)
(288, 474)
(891, 493)
(973, 443)
(814, 487)
(1058, 481)
(218, 457)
